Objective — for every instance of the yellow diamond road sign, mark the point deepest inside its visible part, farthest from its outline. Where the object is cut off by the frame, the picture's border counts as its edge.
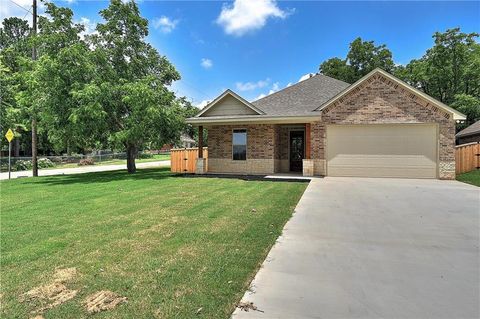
(9, 135)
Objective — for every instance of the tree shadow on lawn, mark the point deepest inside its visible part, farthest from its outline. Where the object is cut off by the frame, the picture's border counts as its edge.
(103, 177)
(142, 174)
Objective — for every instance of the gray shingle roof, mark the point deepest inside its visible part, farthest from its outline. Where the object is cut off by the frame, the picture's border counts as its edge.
(301, 98)
(472, 129)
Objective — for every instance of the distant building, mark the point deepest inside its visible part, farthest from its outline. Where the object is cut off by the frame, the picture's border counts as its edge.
(469, 135)
(185, 142)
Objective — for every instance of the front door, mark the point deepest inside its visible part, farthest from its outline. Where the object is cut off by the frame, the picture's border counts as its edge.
(296, 150)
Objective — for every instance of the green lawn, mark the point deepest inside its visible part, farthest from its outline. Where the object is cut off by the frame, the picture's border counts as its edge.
(171, 245)
(156, 157)
(472, 177)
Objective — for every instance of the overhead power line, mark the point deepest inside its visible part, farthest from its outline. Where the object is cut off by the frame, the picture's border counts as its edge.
(20, 6)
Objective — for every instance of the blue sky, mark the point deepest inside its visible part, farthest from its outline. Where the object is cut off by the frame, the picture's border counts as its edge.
(257, 47)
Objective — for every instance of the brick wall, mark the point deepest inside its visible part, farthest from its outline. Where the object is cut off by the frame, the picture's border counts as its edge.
(260, 141)
(260, 149)
(380, 100)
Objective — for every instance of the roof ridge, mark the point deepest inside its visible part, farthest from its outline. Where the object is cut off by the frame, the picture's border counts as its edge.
(298, 83)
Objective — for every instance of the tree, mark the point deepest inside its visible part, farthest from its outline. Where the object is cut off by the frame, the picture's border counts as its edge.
(468, 105)
(69, 70)
(449, 68)
(449, 72)
(338, 69)
(65, 65)
(14, 42)
(362, 58)
(128, 97)
(14, 46)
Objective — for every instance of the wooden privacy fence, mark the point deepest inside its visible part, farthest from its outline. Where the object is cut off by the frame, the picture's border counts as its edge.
(467, 157)
(184, 160)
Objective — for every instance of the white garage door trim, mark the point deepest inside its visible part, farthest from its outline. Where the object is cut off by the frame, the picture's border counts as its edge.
(382, 150)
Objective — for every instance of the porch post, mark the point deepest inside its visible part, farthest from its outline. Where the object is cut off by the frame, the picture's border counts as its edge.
(201, 162)
(307, 141)
(308, 169)
(200, 141)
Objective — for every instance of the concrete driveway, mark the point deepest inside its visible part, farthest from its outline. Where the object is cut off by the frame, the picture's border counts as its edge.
(374, 248)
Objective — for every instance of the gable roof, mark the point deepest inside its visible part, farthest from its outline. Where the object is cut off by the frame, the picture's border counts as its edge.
(456, 114)
(234, 95)
(301, 98)
(470, 130)
(304, 100)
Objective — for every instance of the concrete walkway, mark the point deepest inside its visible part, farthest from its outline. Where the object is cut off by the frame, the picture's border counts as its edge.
(83, 169)
(374, 248)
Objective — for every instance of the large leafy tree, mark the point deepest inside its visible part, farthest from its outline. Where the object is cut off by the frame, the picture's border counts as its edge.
(64, 64)
(450, 67)
(14, 46)
(129, 97)
(450, 72)
(362, 57)
(46, 83)
(468, 105)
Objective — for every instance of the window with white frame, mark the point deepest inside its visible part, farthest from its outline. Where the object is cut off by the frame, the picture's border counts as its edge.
(239, 149)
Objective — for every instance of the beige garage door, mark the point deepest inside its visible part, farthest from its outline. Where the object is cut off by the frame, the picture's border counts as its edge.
(403, 150)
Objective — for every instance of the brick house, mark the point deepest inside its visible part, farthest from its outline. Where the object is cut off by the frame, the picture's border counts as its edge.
(376, 127)
(470, 134)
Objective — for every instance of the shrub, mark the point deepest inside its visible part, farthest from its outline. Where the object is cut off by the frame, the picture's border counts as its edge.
(86, 161)
(45, 163)
(22, 165)
(145, 155)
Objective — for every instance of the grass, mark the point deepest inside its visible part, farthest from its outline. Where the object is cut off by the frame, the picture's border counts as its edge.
(472, 177)
(170, 244)
(156, 157)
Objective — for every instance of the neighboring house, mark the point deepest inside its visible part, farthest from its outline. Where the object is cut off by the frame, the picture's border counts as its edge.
(376, 127)
(469, 135)
(185, 142)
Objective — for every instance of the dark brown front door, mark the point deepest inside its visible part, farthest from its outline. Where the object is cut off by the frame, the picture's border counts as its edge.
(297, 142)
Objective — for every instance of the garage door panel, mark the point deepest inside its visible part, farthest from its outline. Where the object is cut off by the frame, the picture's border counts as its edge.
(382, 151)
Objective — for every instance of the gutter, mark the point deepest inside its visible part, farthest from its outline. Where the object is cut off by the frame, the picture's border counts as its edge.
(259, 120)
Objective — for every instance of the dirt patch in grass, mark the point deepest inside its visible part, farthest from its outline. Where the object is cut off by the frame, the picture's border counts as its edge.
(49, 296)
(65, 274)
(103, 300)
(52, 294)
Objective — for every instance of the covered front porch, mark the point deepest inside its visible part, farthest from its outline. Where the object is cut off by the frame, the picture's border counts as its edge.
(256, 149)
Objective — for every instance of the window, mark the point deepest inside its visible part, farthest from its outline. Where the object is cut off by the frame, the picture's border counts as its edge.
(239, 145)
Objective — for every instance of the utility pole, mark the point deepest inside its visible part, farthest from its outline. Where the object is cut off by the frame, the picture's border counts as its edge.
(34, 114)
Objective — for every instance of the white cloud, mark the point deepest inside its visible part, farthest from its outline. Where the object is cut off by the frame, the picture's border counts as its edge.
(206, 63)
(306, 76)
(249, 86)
(248, 15)
(89, 26)
(289, 84)
(202, 104)
(164, 24)
(275, 88)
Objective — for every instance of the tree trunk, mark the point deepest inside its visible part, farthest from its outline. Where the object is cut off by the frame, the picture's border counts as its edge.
(16, 148)
(131, 154)
(34, 147)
